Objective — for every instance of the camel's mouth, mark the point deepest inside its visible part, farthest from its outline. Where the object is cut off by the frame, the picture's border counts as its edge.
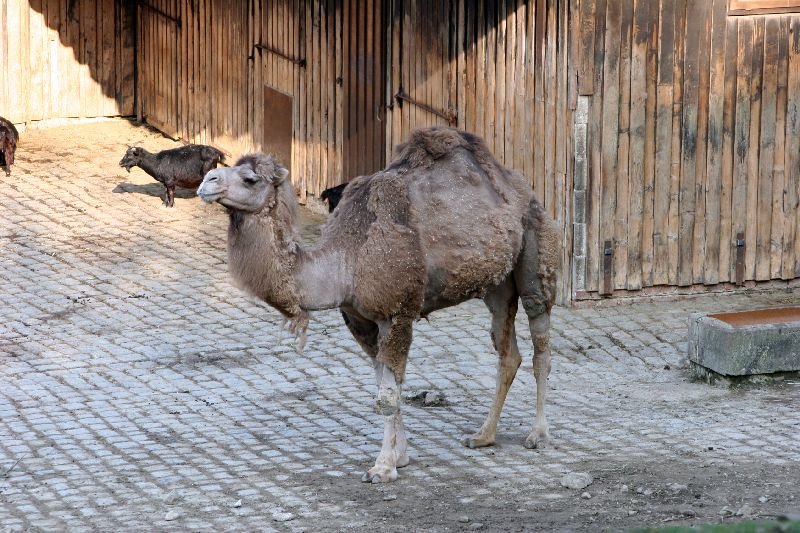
(209, 197)
(210, 193)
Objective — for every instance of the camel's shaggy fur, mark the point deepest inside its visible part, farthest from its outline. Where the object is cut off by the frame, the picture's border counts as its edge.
(443, 223)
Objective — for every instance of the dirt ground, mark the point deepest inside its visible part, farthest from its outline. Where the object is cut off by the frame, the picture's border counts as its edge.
(141, 391)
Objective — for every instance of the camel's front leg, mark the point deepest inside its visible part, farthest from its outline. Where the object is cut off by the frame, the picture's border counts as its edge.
(394, 450)
(394, 341)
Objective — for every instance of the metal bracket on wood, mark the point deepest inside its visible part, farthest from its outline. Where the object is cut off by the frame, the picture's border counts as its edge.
(157, 11)
(299, 61)
(449, 116)
(608, 268)
(740, 249)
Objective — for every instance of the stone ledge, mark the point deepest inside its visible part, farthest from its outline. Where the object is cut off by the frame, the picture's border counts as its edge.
(743, 344)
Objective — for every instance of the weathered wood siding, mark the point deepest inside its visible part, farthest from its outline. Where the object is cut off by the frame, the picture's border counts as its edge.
(204, 64)
(693, 135)
(61, 59)
(500, 69)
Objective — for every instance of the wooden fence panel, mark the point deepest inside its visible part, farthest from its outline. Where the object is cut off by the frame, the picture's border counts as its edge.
(718, 102)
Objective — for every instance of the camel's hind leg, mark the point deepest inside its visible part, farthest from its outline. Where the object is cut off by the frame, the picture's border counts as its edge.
(535, 277)
(502, 303)
(388, 347)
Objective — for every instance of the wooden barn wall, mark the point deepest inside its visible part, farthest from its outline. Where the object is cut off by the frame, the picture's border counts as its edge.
(500, 69)
(362, 75)
(204, 66)
(694, 138)
(61, 59)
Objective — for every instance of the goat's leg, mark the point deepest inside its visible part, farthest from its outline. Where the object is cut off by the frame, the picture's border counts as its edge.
(170, 198)
(502, 303)
(394, 341)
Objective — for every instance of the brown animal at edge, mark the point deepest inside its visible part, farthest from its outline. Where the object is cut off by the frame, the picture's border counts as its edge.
(8, 144)
(444, 222)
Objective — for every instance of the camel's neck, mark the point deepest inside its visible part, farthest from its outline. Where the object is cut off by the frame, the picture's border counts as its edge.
(268, 261)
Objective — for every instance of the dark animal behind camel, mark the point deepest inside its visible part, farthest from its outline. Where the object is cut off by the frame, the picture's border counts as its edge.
(332, 196)
(177, 167)
(9, 136)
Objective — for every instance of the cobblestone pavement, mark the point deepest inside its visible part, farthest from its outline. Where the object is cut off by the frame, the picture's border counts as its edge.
(140, 390)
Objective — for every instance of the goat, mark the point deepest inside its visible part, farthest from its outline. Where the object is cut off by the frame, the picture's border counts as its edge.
(8, 144)
(332, 196)
(177, 167)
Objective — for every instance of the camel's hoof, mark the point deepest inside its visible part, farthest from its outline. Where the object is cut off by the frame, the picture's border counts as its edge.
(537, 442)
(402, 461)
(380, 474)
(477, 441)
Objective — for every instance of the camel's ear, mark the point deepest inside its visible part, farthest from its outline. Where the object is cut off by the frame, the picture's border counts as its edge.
(281, 173)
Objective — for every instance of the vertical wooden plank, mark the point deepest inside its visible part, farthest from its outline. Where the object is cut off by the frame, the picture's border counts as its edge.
(5, 102)
(500, 79)
(714, 159)
(651, 24)
(540, 47)
(333, 177)
(663, 155)
(624, 187)
(766, 162)
(791, 242)
(107, 58)
(697, 243)
(687, 199)
(587, 40)
(17, 57)
(677, 137)
(609, 176)
(530, 92)
(756, 97)
(726, 236)
(779, 173)
(595, 139)
(549, 96)
(566, 94)
(520, 136)
(638, 134)
(490, 126)
(742, 156)
(480, 69)
(35, 80)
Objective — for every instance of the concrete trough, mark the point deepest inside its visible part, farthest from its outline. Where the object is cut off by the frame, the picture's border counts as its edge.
(762, 341)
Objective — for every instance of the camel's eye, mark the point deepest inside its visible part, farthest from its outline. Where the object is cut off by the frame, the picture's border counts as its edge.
(248, 180)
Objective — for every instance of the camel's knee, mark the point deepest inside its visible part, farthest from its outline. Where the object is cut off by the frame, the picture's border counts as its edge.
(540, 334)
(534, 306)
(388, 402)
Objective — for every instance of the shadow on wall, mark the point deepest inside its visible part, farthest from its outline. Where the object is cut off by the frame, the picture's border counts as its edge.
(68, 59)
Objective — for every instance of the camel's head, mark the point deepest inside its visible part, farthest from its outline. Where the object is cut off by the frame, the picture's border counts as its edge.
(131, 157)
(250, 186)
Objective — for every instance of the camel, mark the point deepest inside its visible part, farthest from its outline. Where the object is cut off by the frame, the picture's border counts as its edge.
(444, 222)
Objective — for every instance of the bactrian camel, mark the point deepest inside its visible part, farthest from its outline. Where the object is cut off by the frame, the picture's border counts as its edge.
(442, 223)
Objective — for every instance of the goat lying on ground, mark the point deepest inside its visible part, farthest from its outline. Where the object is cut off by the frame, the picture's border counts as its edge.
(8, 144)
(176, 167)
(332, 196)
